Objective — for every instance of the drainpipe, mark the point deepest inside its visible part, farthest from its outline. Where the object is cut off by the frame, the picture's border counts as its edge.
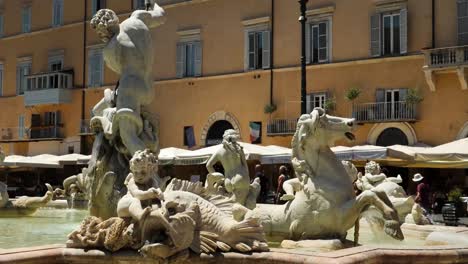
(83, 149)
(272, 49)
(433, 24)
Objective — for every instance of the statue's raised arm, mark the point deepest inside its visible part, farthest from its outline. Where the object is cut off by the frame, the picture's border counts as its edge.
(153, 17)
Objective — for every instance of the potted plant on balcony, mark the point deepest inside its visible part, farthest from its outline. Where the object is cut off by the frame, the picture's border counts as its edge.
(330, 104)
(413, 97)
(270, 109)
(351, 95)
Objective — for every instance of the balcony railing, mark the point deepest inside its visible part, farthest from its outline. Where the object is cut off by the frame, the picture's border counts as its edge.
(14, 133)
(385, 112)
(281, 127)
(49, 88)
(45, 132)
(446, 57)
(85, 129)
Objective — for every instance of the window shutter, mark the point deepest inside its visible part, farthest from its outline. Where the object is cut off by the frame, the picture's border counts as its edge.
(180, 60)
(403, 31)
(28, 19)
(250, 51)
(95, 69)
(323, 41)
(21, 126)
(375, 35)
(94, 5)
(403, 93)
(309, 103)
(266, 49)
(1, 26)
(380, 95)
(308, 44)
(197, 46)
(18, 80)
(462, 6)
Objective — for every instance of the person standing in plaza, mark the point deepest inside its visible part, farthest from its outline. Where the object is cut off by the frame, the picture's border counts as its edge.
(281, 179)
(422, 192)
(263, 183)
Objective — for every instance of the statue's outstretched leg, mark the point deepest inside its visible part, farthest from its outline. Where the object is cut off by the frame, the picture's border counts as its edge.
(130, 126)
(354, 208)
(290, 187)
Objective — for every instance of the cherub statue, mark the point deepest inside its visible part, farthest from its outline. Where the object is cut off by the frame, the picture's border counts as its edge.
(236, 177)
(373, 177)
(144, 187)
(129, 53)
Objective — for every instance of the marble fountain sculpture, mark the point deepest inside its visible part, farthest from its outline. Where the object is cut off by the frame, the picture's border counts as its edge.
(374, 179)
(132, 209)
(23, 205)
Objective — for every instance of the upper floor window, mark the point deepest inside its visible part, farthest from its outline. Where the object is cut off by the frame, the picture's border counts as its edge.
(258, 49)
(97, 5)
(318, 41)
(95, 68)
(139, 4)
(389, 33)
(189, 59)
(462, 6)
(23, 69)
(55, 63)
(315, 100)
(189, 53)
(26, 19)
(57, 13)
(1, 26)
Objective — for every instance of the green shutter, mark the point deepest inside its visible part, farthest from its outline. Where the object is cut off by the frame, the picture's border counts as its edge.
(375, 45)
(403, 31)
(266, 49)
(197, 47)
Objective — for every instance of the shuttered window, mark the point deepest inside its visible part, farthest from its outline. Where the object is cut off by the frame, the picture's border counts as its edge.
(462, 11)
(95, 68)
(97, 5)
(57, 13)
(139, 4)
(189, 59)
(315, 100)
(1, 26)
(258, 50)
(21, 128)
(23, 69)
(318, 42)
(26, 19)
(389, 33)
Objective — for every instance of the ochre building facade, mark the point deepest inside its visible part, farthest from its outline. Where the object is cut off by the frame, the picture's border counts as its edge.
(220, 63)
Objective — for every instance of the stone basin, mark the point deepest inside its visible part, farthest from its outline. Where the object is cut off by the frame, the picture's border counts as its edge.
(58, 254)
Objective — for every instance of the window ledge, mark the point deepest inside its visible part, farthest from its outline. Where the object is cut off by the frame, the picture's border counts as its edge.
(189, 32)
(390, 5)
(321, 11)
(256, 21)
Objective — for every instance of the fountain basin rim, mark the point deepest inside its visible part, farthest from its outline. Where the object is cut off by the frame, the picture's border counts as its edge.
(60, 254)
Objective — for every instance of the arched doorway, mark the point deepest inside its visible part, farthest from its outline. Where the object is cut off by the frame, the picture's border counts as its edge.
(392, 136)
(216, 131)
(377, 130)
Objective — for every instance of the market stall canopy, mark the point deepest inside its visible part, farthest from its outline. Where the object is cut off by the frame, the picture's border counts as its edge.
(364, 152)
(450, 155)
(44, 160)
(201, 156)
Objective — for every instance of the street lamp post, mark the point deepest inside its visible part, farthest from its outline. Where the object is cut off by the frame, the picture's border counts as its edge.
(302, 20)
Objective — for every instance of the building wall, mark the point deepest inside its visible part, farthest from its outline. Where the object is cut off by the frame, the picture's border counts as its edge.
(224, 85)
